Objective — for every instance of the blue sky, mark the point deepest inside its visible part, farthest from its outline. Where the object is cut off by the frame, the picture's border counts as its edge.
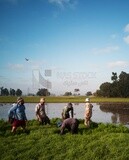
(81, 41)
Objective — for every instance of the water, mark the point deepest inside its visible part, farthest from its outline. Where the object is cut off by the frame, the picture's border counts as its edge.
(106, 113)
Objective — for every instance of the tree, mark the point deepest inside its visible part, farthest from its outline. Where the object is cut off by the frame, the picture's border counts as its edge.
(67, 94)
(118, 88)
(124, 84)
(12, 92)
(18, 92)
(106, 89)
(89, 93)
(43, 92)
(4, 91)
(114, 76)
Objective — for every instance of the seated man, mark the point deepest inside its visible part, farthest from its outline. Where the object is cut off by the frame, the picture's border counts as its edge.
(71, 124)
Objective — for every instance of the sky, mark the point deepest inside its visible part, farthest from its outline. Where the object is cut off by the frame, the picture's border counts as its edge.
(73, 44)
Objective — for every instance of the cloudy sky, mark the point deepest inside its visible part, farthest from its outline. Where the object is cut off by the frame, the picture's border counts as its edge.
(72, 43)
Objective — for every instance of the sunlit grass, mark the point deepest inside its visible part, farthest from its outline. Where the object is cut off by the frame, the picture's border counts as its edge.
(61, 99)
(101, 141)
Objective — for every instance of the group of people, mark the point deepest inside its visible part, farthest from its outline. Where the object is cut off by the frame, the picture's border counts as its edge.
(17, 116)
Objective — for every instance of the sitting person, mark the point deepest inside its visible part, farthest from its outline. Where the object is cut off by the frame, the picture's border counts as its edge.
(66, 110)
(40, 112)
(71, 124)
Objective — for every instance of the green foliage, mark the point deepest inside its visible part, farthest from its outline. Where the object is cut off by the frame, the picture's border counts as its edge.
(61, 99)
(100, 141)
(118, 88)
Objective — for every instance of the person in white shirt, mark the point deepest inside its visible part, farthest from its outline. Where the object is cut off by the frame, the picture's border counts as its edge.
(88, 112)
(40, 112)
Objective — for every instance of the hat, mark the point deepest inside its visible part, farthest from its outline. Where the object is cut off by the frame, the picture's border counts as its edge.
(87, 99)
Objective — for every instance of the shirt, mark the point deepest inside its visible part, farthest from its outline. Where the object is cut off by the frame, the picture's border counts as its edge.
(88, 109)
(40, 109)
(17, 112)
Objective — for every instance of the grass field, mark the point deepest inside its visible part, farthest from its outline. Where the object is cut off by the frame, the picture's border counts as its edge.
(100, 142)
(61, 99)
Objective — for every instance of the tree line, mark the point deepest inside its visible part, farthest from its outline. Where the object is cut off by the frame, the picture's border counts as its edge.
(18, 92)
(119, 87)
(11, 92)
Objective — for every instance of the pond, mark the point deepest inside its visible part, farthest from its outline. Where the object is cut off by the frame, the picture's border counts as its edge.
(103, 112)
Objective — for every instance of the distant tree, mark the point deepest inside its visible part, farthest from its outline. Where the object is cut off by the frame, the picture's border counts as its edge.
(18, 92)
(43, 92)
(67, 94)
(114, 77)
(4, 91)
(1, 90)
(106, 89)
(12, 92)
(123, 84)
(89, 93)
(118, 88)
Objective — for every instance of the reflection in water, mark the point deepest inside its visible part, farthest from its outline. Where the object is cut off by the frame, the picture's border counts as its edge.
(120, 111)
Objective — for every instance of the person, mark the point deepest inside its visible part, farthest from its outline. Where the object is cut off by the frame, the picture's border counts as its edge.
(71, 124)
(65, 113)
(88, 112)
(18, 115)
(40, 112)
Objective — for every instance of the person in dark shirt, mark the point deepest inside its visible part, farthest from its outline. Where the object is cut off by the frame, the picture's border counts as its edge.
(71, 124)
(65, 113)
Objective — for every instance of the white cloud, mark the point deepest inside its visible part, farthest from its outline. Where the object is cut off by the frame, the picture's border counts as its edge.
(126, 39)
(106, 50)
(18, 67)
(63, 3)
(126, 29)
(118, 64)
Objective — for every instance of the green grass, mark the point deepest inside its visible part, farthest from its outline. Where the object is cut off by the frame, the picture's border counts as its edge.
(61, 99)
(101, 141)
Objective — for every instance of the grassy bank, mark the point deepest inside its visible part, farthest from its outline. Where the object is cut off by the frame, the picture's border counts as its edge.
(101, 141)
(62, 99)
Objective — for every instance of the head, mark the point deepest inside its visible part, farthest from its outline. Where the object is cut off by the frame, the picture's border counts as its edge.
(69, 105)
(87, 100)
(42, 100)
(20, 100)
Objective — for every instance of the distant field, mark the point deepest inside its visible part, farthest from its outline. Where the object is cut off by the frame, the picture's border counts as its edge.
(61, 99)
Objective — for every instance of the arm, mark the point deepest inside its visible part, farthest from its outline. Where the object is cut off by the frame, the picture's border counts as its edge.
(62, 129)
(37, 110)
(72, 112)
(25, 114)
(10, 112)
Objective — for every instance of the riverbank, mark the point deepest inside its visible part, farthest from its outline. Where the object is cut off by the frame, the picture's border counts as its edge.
(62, 99)
(100, 141)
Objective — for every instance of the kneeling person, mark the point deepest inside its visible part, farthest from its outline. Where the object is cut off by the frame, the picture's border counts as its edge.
(71, 124)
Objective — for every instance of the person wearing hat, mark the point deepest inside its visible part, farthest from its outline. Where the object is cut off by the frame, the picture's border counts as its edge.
(65, 113)
(40, 112)
(88, 112)
(17, 113)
